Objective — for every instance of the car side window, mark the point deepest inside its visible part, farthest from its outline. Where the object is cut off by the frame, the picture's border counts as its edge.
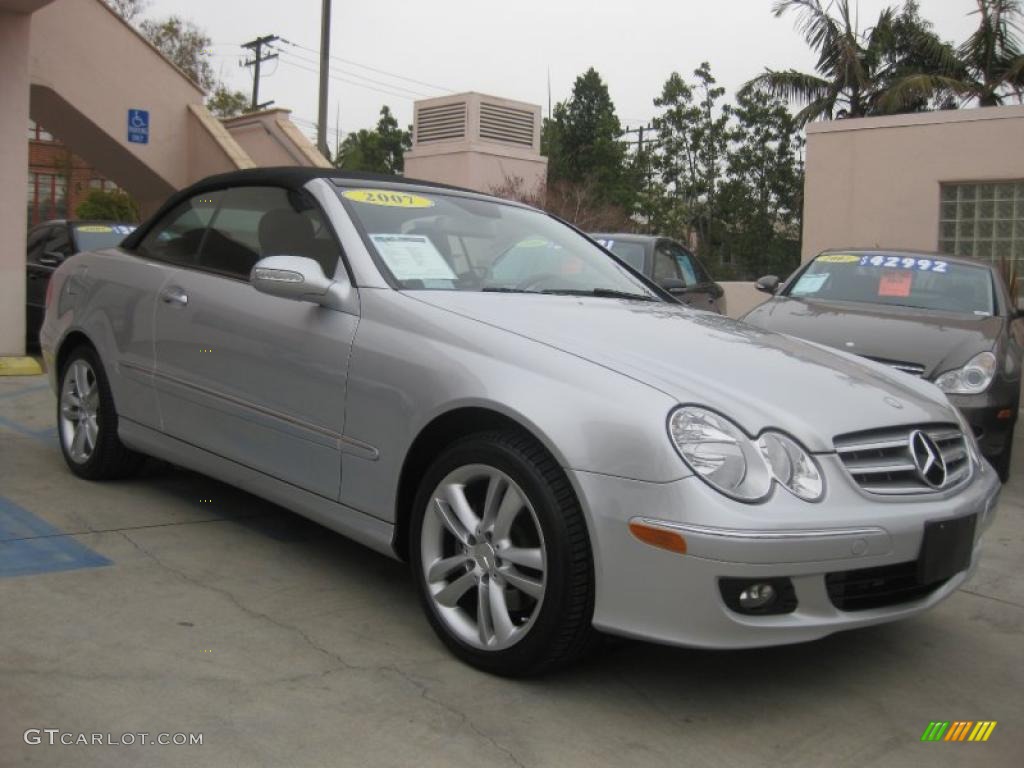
(36, 241)
(692, 272)
(58, 241)
(255, 222)
(665, 264)
(179, 235)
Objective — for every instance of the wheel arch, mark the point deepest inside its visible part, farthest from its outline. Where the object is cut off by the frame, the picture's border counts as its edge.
(67, 345)
(439, 433)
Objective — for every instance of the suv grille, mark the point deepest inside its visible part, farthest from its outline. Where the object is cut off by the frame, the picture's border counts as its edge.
(880, 460)
(868, 588)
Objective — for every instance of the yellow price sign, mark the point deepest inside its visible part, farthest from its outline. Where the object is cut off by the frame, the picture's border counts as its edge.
(838, 258)
(388, 198)
(95, 228)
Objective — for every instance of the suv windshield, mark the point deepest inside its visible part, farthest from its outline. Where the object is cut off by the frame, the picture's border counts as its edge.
(444, 242)
(904, 280)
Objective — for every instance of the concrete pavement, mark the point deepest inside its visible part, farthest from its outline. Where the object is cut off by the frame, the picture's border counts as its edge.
(174, 603)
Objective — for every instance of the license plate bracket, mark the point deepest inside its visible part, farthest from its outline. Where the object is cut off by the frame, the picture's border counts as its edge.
(946, 548)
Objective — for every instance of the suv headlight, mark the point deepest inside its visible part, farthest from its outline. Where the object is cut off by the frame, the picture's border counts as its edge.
(973, 379)
(730, 462)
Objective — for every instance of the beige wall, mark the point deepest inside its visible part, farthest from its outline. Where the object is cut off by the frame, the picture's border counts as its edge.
(740, 298)
(474, 159)
(270, 138)
(874, 182)
(14, 85)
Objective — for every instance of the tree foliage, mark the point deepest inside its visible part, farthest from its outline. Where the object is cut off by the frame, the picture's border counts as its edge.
(225, 103)
(856, 66)
(583, 143)
(987, 68)
(107, 205)
(380, 150)
(692, 144)
(128, 10)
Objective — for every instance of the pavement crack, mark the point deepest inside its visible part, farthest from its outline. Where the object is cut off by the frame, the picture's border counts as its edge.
(342, 664)
(992, 597)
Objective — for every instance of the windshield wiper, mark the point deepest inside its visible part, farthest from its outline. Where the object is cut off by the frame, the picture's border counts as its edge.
(601, 293)
(501, 289)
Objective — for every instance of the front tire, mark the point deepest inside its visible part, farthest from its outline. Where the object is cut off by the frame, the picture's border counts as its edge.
(501, 556)
(87, 421)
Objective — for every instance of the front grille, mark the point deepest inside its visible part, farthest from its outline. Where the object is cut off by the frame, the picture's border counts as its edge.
(879, 460)
(914, 369)
(868, 588)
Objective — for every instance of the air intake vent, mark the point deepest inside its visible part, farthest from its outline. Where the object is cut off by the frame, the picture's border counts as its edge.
(441, 123)
(914, 369)
(508, 124)
(883, 461)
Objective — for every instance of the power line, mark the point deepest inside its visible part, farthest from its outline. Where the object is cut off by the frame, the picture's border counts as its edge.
(256, 46)
(344, 73)
(350, 82)
(371, 69)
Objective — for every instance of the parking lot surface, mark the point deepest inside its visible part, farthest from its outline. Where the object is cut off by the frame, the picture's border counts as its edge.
(173, 603)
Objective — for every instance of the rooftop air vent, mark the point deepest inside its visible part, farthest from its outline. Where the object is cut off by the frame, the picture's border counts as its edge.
(443, 122)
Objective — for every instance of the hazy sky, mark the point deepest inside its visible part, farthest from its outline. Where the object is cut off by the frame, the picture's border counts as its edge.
(507, 48)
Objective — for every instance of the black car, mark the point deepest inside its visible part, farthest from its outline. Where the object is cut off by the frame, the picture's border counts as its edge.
(49, 244)
(669, 264)
(950, 320)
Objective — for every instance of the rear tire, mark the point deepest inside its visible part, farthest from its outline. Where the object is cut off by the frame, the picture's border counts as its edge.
(501, 556)
(87, 421)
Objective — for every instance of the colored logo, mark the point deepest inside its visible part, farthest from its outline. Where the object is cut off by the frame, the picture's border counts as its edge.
(959, 730)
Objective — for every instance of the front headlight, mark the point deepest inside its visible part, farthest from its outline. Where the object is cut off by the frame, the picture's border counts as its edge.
(729, 461)
(973, 379)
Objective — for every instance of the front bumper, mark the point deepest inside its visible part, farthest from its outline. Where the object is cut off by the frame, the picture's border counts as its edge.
(658, 595)
(983, 414)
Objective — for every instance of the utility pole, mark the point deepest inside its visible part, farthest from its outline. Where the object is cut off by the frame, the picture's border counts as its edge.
(256, 46)
(325, 63)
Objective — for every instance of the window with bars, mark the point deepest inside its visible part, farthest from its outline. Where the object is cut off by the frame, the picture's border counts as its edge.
(984, 221)
(36, 132)
(47, 197)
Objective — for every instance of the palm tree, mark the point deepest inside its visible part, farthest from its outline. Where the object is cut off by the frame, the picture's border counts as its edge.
(855, 67)
(988, 67)
(844, 79)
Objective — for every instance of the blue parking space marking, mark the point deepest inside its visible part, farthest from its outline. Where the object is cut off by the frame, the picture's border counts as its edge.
(22, 392)
(46, 435)
(30, 545)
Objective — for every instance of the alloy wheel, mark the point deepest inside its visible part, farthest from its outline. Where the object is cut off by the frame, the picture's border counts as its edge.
(483, 557)
(79, 411)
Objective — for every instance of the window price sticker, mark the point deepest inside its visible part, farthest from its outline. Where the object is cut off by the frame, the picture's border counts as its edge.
(905, 262)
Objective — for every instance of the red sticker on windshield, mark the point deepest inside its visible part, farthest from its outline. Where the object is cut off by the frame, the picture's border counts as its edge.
(895, 283)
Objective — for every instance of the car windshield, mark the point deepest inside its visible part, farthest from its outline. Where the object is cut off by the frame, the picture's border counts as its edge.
(904, 280)
(96, 237)
(629, 252)
(444, 242)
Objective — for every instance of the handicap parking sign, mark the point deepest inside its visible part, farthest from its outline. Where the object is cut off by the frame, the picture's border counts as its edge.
(138, 126)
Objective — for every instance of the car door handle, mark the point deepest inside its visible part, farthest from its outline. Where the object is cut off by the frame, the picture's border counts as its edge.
(174, 295)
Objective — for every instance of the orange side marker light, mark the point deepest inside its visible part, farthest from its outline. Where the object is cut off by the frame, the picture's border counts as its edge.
(659, 537)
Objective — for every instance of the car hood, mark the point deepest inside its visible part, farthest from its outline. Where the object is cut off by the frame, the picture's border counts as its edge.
(937, 341)
(759, 378)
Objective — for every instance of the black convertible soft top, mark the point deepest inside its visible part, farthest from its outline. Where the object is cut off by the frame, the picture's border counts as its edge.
(289, 177)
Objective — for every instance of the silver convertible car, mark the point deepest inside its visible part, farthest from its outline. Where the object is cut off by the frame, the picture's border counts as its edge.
(554, 443)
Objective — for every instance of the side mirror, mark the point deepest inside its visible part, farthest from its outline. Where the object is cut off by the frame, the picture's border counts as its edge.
(301, 279)
(768, 284)
(672, 284)
(51, 258)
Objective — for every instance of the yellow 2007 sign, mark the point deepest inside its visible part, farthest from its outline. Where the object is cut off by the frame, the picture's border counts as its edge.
(389, 198)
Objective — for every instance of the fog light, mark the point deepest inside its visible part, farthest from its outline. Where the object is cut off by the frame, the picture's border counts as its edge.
(757, 596)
